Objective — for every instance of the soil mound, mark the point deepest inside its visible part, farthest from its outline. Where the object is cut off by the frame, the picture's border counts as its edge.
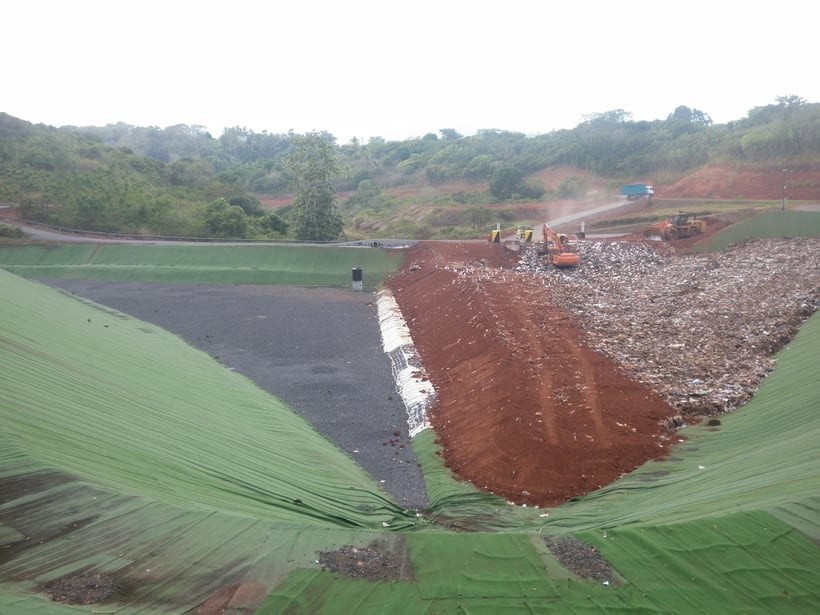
(525, 409)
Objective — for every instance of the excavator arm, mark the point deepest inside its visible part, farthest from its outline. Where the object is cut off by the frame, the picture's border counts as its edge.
(558, 250)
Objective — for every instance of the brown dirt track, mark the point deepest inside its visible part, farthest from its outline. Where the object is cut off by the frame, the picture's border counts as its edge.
(525, 410)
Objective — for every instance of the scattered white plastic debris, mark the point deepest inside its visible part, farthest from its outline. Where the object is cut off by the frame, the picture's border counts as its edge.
(671, 312)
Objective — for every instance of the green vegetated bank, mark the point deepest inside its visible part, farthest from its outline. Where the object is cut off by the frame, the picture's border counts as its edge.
(299, 265)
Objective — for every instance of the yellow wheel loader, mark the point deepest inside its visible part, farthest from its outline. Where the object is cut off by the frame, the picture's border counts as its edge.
(680, 225)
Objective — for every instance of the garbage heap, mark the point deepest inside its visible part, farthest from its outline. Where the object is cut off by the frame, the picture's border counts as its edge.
(698, 329)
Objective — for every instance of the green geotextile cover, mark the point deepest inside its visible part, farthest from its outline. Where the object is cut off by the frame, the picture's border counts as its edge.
(729, 524)
(165, 559)
(125, 451)
(766, 224)
(302, 265)
(748, 562)
(113, 400)
(743, 563)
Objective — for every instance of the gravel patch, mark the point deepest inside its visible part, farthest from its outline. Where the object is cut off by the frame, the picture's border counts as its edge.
(88, 588)
(368, 563)
(581, 559)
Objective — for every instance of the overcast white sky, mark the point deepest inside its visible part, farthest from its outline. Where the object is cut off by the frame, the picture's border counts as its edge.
(397, 70)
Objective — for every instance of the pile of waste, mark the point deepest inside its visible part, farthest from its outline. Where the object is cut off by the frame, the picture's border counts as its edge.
(698, 329)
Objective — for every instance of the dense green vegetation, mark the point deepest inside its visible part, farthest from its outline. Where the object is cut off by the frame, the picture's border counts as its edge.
(313, 166)
(183, 181)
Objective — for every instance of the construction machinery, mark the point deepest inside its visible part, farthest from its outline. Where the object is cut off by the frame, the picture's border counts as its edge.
(558, 250)
(679, 225)
(523, 233)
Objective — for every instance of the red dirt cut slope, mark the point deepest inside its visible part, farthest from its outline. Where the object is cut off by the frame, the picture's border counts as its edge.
(525, 410)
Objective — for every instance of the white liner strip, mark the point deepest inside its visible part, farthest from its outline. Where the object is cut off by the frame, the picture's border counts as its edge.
(416, 392)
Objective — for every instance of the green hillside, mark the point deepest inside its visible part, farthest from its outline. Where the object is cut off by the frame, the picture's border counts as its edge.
(184, 182)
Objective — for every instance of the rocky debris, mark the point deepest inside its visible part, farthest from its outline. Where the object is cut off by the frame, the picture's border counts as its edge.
(698, 329)
(581, 559)
(363, 562)
(87, 588)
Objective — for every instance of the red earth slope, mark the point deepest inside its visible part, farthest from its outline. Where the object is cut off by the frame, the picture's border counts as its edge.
(525, 410)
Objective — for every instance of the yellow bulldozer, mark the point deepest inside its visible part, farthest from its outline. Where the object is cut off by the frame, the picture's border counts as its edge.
(679, 225)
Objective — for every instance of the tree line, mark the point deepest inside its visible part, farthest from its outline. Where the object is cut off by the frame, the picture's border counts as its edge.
(182, 181)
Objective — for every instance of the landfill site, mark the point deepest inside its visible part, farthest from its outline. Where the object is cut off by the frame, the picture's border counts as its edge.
(609, 424)
(552, 383)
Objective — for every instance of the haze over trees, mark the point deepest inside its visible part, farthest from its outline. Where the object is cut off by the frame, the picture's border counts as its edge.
(181, 181)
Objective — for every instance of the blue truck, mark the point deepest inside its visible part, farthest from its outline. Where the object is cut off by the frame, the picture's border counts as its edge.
(637, 191)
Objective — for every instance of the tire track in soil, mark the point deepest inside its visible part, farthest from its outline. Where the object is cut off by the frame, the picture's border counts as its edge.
(525, 410)
(572, 388)
(584, 387)
(531, 345)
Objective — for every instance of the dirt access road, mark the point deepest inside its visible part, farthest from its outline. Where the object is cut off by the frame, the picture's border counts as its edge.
(525, 410)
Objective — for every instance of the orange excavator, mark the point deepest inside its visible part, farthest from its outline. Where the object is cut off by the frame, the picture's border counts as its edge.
(558, 250)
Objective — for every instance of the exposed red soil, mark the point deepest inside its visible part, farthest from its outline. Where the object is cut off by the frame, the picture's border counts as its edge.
(524, 409)
(274, 203)
(9, 214)
(750, 181)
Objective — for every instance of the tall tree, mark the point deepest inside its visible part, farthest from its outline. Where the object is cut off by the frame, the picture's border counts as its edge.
(790, 101)
(690, 116)
(313, 168)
